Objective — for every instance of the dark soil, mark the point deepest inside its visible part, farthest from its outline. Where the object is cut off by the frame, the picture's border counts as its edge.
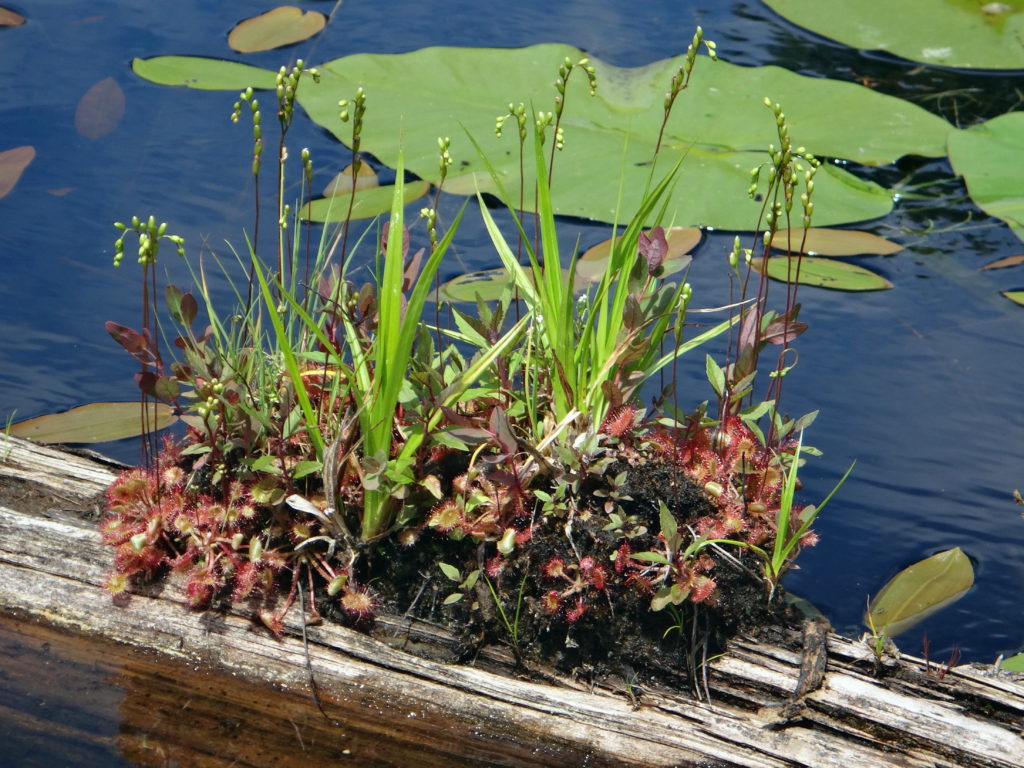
(617, 634)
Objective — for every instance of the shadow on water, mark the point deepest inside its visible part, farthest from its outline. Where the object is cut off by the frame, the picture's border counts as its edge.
(70, 701)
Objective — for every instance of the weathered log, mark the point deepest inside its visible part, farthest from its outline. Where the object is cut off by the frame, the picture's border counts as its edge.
(52, 567)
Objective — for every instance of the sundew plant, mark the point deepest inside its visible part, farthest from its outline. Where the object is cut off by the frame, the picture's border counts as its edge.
(343, 441)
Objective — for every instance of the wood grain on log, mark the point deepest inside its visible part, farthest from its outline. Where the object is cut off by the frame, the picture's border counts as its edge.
(52, 567)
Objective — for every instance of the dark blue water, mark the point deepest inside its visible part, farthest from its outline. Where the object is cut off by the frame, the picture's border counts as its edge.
(920, 384)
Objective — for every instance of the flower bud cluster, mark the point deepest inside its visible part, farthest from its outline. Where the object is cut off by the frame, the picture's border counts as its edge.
(149, 234)
(354, 109)
(246, 97)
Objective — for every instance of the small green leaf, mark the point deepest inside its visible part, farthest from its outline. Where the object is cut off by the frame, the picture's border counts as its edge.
(650, 557)
(1014, 663)
(1017, 297)
(454, 597)
(450, 571)
(92, 423)
(304, 468)
(823, 273)
(920, 590)
(716, 376)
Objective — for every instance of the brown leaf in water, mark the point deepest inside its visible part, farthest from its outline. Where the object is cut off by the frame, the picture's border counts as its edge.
(9, 18)
(1008, 261)
(834, 242)
(100, 110)
(12, 163)
(61, 191)
(275, 28)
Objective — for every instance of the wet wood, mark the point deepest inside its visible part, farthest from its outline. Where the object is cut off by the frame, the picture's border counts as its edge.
(52, 567)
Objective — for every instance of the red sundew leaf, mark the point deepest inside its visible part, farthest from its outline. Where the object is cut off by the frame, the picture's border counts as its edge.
(13, 163)
(1008, 261)
(9, 18)
(100, 110)
(275, 28)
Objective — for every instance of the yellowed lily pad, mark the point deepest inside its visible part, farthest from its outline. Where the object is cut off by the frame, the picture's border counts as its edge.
(92, 423)
(681, 240)
(823, 241)
(369, 202)
(1017, 297)
(100, 110)
(823, 273)
(275, 28)
(9, 18)
(343, 183)
(918, 591)
(13, 163)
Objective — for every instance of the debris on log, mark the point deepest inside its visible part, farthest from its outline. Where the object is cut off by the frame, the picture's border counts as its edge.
(819, 701)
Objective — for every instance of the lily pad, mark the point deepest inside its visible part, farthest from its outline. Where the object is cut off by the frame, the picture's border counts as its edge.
(9, 18)
(721, 124)
(953, 33)
(275, 29)
(485, 285)
(92, 423)
(369, 202)
(343, 183)
(1006, 261)
(214, 75)
(823, 273)
(681, 240)
(990, 156)
(1017, 297)
(822, 241)
(100, 110)
(13, 163)
(916, 592)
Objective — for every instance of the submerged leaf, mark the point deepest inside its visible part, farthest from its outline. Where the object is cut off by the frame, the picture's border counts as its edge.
(833, 242)
(92, 423)
(13, 163)
(276, 28)
(100, 110)
(369, 202)
(823, 273)
(916, 592)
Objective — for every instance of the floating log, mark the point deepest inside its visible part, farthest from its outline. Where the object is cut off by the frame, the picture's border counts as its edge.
(771, 705)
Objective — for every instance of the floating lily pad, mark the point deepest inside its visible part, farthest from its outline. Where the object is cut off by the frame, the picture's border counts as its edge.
(9, 18)
(370, 202)
(990, 156)
(916, 592)
(681, 240)
(720, 123)
(13, 163)
(275, 29)
(214, 75)
(953, 33)
(822, 241)
(823, 273)
(92, 423)
(100, 110)
(1007, 261)
(343, 183)
(485, 285)
(1017, 297)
